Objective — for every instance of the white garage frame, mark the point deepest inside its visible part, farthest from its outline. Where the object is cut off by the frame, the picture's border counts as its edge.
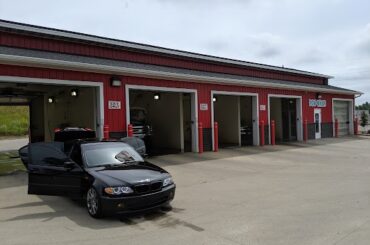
(351, 114)
(44, 81)
(299, 113)
(255, 114)
(194, 105)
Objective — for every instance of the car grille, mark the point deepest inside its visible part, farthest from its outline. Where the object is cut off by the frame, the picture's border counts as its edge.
(147, 188)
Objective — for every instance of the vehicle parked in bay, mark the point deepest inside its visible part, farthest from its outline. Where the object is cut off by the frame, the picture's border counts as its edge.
(141, 127)
(110, 176)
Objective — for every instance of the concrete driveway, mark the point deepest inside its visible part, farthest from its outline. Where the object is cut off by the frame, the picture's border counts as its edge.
(12, 143)
(316, 193)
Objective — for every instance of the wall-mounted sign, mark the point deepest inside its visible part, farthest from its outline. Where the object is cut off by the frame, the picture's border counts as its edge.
(262, 107)
(317, 103)
(114, 105)
(203, 107)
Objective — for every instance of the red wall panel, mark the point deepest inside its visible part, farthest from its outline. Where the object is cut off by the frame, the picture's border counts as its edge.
(39, 43)
(116, 119)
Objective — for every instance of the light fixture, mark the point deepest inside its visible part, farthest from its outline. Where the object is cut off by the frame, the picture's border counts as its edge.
(74, 92)
(157, 97)
(318, 96)
(51, 100)
(115, 82)
(214, 99)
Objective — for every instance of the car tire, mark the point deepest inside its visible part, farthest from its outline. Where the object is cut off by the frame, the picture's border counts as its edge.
(93, 203)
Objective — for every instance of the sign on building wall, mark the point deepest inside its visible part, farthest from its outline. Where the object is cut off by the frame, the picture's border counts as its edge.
(203, 107)
(114, 105)
(317, 103)
(262, 107)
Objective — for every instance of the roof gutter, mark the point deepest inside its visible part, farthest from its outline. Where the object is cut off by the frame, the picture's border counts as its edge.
(86, 67)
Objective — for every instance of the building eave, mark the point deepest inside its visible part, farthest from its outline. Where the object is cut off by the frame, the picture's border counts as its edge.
(125, 71)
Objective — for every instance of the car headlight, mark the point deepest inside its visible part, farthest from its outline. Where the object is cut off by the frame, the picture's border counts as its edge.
(118, 190)
(168, 181)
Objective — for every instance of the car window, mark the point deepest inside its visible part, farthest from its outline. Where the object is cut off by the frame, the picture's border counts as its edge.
(76, 155)
(109, 153)
(48, 154)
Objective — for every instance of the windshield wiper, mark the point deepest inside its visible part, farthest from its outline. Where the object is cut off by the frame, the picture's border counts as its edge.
(112, 165)
(115, 165)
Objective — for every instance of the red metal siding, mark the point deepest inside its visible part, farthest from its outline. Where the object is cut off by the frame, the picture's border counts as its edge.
(117, 118)
(114, 117)
(33, 42)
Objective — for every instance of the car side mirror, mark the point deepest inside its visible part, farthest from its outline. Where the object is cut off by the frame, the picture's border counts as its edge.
(69, 165)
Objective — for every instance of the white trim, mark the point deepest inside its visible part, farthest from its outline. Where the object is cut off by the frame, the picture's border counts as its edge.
(299, 113)
(99, 99)
(350, 114)
(79, 66)
(194, 98)
(150, 48)
(255, 112)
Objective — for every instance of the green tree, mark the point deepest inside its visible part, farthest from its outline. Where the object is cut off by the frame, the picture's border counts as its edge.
(364, 106)
(364, 119)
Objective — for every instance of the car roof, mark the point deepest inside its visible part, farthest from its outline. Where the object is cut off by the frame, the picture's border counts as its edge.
(98, 142)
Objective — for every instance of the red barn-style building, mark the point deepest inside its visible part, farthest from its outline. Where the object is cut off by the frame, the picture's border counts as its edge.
(74, 79)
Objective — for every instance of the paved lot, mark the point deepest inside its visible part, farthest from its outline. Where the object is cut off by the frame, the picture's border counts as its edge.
(12, 144)
(313, 194)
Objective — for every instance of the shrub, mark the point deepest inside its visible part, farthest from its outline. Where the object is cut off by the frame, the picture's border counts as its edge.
(14, 120)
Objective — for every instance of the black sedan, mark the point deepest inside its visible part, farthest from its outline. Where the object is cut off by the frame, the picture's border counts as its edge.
(111, 176)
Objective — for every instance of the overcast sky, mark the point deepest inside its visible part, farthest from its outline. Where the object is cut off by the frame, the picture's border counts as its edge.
(325, 36)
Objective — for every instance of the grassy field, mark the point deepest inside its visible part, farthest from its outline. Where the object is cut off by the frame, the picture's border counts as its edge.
(14, 120)
(10, 163)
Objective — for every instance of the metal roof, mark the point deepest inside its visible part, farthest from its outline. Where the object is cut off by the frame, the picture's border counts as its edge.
(75, 36)
(46, 59)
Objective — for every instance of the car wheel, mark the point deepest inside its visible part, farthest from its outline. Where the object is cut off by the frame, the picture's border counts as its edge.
(93, 203)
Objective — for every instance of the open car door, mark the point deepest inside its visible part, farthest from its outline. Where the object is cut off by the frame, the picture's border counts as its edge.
(51, 172)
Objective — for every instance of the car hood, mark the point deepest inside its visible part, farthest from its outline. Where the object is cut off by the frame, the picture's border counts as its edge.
(129, 174)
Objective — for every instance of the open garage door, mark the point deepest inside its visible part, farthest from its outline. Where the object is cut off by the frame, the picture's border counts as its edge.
(286, 111)
(164, 118)
(54, 104)
(343, 113)
(237, 118)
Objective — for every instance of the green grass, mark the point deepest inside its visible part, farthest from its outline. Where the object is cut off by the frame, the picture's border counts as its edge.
(10, 163)
(14, 120)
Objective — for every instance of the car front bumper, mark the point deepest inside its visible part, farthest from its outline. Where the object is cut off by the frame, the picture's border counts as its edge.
(137, 204)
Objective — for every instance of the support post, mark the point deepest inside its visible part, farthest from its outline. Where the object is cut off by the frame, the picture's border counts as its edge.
(262, 133)
(215, 137)
(336, 126)
(355, 123)
(305, 128)
(130, 131)
(200, 136)
(106, 131)
(272, 128)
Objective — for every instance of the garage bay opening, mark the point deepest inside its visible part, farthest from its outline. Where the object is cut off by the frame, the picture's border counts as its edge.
(165, 120)
(286, 114)
(53, 107)
(237, 119)
(342, 112)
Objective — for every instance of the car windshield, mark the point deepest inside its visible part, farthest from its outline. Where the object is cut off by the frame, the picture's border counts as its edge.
(109, 153)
